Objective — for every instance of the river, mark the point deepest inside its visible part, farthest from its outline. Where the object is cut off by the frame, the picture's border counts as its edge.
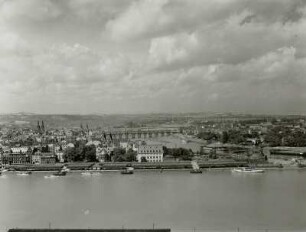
(215, 200)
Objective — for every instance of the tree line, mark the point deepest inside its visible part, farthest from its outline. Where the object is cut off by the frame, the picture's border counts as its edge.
(230, 136)
(80, 152)
(284, 136)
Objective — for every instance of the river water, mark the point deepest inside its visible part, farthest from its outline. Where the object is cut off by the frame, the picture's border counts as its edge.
(214, 201)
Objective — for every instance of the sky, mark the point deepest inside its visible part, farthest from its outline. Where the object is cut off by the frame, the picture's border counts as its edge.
(151, 56)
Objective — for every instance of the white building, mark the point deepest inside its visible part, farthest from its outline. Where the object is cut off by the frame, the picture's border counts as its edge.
(19, 150)
(152, 153)
(59, 152)
(96, 143)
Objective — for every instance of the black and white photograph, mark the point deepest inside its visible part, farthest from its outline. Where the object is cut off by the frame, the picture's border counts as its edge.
(152, 115)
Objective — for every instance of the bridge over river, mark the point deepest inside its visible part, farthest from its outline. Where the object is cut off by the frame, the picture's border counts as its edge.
(140, 133)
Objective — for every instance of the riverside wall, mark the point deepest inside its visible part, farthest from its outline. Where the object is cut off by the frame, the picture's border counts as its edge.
(142, 166)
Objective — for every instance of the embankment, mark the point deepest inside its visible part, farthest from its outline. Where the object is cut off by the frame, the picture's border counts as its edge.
(141, 166)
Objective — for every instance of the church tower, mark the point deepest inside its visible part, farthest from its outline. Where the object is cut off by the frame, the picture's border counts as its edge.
(38, 127)
(42, 127)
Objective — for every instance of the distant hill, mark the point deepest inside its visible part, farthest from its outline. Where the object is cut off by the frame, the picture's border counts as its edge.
(24, 119)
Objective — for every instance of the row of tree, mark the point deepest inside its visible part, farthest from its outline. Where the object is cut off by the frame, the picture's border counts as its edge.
(121, 155)
(284, 136)
(276, 136)
(230, 136)
(178, 153)
(80, 152)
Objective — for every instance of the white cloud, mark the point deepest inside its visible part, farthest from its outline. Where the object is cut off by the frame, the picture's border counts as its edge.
(39, 10)
(140, 18)
(10, 42)
(152, 55)
(169, 49)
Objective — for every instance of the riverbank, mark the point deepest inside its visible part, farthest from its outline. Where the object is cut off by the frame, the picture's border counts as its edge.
(139, 166)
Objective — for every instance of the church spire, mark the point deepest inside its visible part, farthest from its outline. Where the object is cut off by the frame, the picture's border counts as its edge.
(42, 126)
(38, 127)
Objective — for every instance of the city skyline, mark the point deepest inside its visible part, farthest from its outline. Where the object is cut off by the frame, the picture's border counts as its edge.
(158, 56)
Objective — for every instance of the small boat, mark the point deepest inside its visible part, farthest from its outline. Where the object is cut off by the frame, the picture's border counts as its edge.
(50, 176)
(60, 173)
(195, 168)
(87, 173)
(128, 170)
(24, 173)
(65, 169)
(2, 170)
(196, 171)
(248, 170)
(90, 173)
(57, 174)
(302, 165)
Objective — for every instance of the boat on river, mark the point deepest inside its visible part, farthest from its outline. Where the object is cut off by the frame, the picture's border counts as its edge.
(86, 173)
(248, 170)
(60, 173)
(90, 173)
(57, 174)
(128, 170)
(3, 169)
(300, 165)
(24, 173)
(65, 169)
(195, 168)
(50, 176)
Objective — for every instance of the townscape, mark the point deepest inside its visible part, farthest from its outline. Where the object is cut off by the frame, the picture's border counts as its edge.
(155, 141)
(152, 115)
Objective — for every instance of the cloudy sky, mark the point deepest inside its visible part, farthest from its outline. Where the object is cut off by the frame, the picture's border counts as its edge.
(122, 56)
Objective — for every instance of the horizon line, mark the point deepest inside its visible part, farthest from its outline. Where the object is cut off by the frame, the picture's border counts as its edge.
(161, 113)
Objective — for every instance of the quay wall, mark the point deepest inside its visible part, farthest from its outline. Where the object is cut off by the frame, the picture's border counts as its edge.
(172, 165)
(122, 165)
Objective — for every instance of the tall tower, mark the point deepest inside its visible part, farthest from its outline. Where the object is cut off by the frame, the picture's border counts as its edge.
(38, 127)
(42, 127)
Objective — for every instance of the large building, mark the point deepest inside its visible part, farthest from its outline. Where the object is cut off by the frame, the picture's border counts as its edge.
(18, 155)
(150, 153)
(43, 158)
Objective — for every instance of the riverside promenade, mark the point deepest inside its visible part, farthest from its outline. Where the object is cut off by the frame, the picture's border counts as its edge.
(113, 166)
